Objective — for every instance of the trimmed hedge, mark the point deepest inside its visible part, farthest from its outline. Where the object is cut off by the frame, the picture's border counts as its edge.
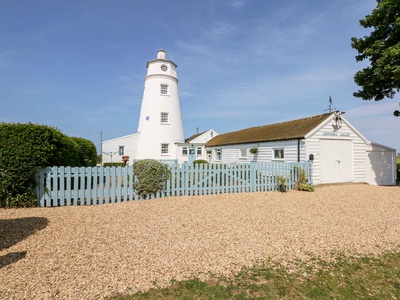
(24, 148)
(87, 152)
(151, 176)
(200, 161)
(114, 164)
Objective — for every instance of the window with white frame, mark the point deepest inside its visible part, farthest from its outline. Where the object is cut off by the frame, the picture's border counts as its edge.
(218, 154)
(121, 150)
(199, 151)
(164, 89)
(184, 150)
(243, 152)
(164, 148)
(164, 117)
(279, 153)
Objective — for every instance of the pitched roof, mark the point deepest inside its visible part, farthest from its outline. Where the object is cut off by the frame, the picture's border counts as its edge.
(194, 136)
(295, 129)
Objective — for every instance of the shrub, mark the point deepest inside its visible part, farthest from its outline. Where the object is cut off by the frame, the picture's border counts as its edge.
(200, 161)
(24, 148)
(302, 183)
(87, 152)
(151, 176)
(305, 187)
(398, 171)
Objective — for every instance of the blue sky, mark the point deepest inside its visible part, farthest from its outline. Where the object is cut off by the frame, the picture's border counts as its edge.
(80, 65)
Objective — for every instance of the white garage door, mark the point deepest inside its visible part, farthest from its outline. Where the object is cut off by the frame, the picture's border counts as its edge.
(336, 161)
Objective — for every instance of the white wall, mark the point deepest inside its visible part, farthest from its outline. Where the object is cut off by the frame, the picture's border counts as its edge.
(381, 165)
(232, 153)
(346, 132)
(130, 143)
(153, 133)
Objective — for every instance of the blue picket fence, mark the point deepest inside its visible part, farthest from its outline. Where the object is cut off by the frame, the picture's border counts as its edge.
(62, 186)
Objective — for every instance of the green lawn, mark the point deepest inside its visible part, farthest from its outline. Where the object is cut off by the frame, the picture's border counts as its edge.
(346, 278)
(398, 159)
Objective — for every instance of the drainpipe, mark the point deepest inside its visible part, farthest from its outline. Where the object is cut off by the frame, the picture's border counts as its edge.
(298, 150)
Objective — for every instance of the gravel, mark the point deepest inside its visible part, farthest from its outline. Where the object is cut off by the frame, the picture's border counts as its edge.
(90, 252)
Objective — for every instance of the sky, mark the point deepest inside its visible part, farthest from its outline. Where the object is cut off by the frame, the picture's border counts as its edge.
(79, 66)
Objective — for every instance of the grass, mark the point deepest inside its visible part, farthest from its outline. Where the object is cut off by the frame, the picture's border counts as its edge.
(344, 278)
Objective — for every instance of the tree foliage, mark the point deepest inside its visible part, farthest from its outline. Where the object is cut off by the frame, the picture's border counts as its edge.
(87, 152)
(381, 79)
(24, 148)
(151, 176)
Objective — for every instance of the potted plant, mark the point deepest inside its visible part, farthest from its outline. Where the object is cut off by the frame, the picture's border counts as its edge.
(253, 150)
(282, 184)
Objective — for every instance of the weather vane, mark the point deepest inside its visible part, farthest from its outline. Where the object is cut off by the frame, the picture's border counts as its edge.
(330, 105)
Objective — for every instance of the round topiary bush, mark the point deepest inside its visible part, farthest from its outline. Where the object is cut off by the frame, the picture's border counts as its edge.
(151, 177)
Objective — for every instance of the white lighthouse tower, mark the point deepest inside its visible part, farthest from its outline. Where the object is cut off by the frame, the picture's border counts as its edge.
(160, 122)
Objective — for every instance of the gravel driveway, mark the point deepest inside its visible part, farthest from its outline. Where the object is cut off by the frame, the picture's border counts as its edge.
(95, 251)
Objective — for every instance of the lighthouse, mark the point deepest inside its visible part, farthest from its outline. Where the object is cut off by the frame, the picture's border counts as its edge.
(160, 122)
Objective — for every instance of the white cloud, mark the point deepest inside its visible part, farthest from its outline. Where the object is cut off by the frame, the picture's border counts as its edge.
(238, 4)
(219, 31)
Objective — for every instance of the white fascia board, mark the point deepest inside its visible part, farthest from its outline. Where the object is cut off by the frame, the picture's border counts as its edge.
(122, 137)
(382, 146)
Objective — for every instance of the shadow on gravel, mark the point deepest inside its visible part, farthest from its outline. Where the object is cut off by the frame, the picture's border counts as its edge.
(12, 231)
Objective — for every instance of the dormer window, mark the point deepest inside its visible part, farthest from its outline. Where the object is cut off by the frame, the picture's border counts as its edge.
(164, 89)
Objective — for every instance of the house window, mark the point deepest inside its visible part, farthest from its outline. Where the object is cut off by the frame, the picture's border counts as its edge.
(279, 154)
(164, 89)
(243, 152)
(184, 150)
(164, 117)
(218, 154)
(199, 151)
(121, 150)
(164, 148)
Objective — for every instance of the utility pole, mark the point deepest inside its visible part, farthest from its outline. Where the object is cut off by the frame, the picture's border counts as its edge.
(101, 147)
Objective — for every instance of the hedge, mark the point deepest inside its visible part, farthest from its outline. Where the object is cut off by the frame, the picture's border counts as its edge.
(24, 148)
(87, 152)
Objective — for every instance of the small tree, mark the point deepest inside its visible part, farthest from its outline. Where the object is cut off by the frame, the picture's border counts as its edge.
(151, 176)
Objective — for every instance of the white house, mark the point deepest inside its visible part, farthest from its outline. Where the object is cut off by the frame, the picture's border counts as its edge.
(194, 147)
(160, 133)
(339, 152)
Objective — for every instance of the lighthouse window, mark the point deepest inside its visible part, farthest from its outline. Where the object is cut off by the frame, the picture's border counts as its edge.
(164, 117)
(164, 148)
(164, 89)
